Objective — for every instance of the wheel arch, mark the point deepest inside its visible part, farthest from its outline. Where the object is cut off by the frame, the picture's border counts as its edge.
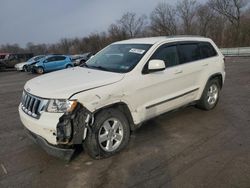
(217, 76)
(68, 65)
(123, 107)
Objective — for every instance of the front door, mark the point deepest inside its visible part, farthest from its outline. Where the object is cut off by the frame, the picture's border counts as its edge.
(159, 92)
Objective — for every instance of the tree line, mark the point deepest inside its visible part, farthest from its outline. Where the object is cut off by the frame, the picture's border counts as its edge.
(227, 22)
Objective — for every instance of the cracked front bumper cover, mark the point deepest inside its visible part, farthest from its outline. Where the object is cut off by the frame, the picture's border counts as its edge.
(63, 153)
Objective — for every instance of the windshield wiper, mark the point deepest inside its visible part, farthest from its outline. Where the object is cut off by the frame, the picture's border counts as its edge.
(99, 67)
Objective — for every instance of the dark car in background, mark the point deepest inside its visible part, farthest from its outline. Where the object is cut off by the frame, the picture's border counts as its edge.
(9, 60)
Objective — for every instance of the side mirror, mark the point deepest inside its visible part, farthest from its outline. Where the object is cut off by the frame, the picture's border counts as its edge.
(156, 65)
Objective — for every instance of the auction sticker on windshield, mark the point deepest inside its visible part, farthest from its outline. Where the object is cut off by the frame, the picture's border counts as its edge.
(137, 51)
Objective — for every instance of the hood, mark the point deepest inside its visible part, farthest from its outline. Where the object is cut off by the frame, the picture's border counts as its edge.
(62, 84)
(21, 64)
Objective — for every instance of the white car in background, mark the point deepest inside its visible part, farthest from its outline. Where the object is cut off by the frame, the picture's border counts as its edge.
(79, 60)
(21, 66)
(99, 103)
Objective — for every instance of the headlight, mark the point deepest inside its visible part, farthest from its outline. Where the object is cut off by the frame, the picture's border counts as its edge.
(61, 105)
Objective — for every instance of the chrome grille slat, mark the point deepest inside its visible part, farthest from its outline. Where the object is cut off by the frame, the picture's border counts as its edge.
(26, 101)
(34, 109)
(28, 105)
(32, 105)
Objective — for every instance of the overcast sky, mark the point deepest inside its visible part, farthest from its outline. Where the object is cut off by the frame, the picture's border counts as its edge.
(47, 21)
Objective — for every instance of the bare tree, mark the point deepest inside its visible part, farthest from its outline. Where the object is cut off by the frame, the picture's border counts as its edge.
(186, 11)
(225, 21)
(217, 30)
(163, 20)
(232, 10)
(12, 48)
(205, 17)
(64, 45)
(116, 33)
(132, 25)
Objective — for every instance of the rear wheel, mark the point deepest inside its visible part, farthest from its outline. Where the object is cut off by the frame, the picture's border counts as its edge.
(25, 68)
(110, 134)
(210, 95)
(68, 66)
(40, 70)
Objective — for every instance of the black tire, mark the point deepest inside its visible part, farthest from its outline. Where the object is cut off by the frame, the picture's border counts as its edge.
(25, 68)
(40, 70)
(92, 143)
(82, 62)
(204, 103)
(69, 66)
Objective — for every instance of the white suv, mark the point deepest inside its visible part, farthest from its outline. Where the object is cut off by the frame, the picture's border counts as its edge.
(125, 84)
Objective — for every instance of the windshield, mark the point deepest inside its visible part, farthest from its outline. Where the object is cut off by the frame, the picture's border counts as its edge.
(119, 58)
(35, 58)
(39, 57)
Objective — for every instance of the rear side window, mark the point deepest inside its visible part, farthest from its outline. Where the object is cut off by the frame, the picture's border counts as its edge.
(60, 58)
(207, 50)
(168, 54)
(188, 52)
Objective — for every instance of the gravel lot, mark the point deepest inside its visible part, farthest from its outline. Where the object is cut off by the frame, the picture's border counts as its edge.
(187, 148)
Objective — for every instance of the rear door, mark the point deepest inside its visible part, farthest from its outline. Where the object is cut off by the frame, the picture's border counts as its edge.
(60, 62)
(190, 66)
(50, 63)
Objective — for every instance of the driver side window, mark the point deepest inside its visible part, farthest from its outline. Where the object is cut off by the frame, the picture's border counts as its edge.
(168, 54)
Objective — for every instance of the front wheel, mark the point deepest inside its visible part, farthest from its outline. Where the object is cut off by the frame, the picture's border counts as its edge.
(40, 70)
(110, 134)
(25, 68)
(210, 95)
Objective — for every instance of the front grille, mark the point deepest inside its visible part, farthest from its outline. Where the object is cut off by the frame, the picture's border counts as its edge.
(32, 105)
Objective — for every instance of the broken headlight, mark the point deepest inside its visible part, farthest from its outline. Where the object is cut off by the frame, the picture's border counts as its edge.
(61, 105)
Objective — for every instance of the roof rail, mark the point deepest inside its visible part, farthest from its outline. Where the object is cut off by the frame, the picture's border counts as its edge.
(179, 36)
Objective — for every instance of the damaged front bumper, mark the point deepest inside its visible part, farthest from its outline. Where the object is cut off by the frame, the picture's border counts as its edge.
(58, 133)
(63, 153)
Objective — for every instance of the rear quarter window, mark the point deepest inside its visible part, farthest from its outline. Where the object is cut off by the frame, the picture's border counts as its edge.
(207, 50)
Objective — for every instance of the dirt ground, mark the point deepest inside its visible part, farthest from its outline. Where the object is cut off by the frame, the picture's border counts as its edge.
(187, 148)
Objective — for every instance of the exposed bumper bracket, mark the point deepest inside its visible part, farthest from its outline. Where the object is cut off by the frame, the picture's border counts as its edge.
(63, 153)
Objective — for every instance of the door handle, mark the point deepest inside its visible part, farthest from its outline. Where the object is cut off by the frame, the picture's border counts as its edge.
(204, 65)
(178, 72)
